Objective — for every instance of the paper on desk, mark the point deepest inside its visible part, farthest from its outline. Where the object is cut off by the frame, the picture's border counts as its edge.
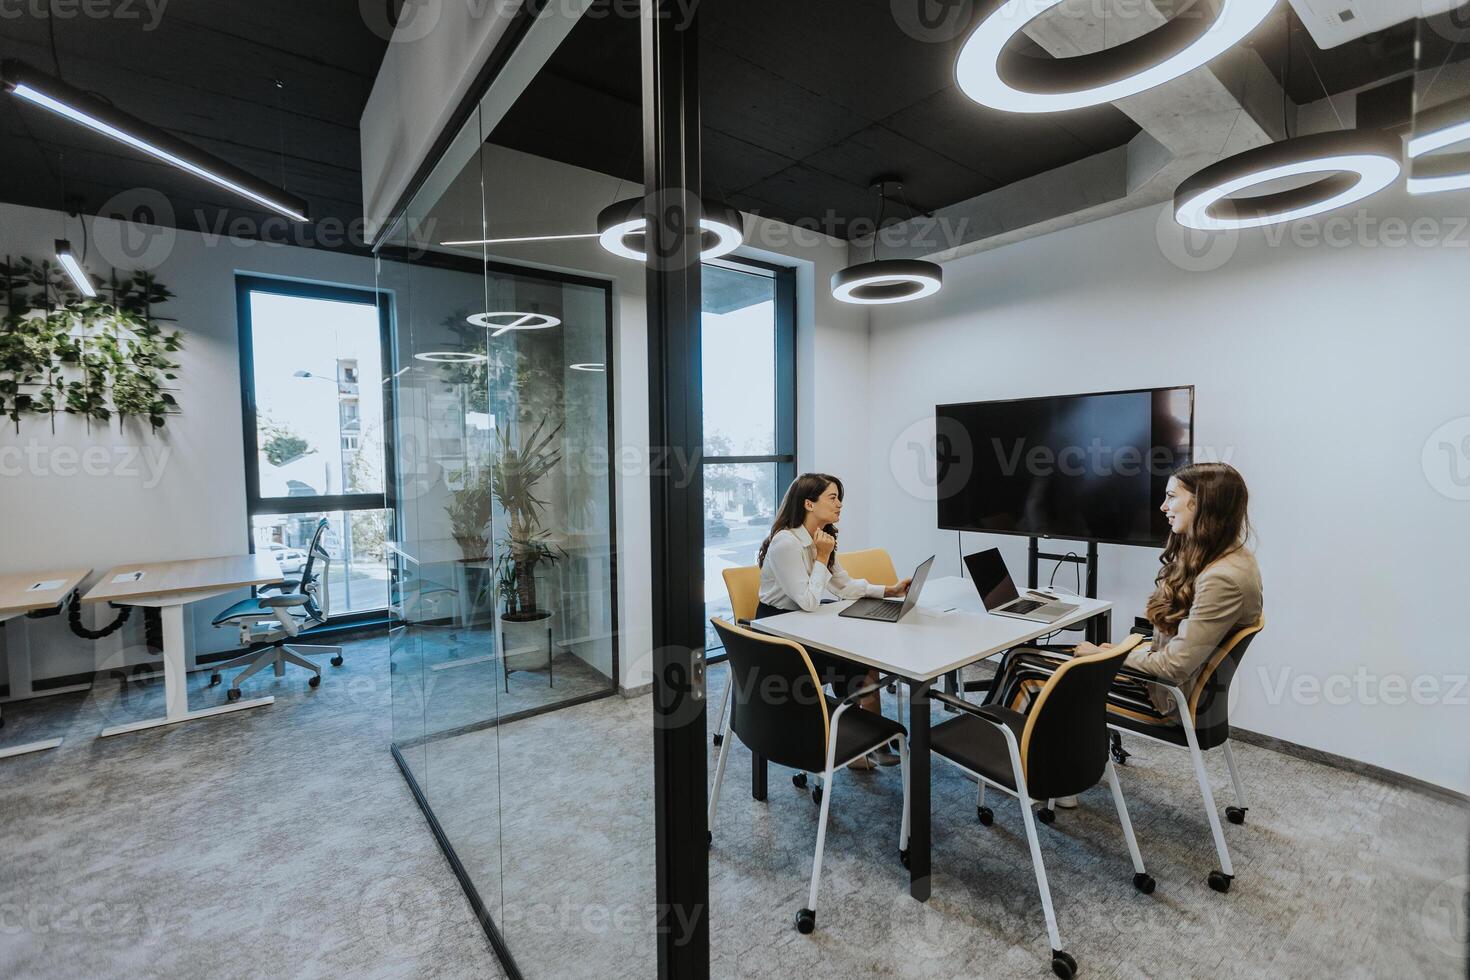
(48, 585)
(127, 577)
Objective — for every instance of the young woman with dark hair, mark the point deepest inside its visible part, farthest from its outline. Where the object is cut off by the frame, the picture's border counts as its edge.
(798, 561)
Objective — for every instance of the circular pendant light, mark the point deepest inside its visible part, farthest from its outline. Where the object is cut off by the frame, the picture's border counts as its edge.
(449, 357)
(622, 229)
(1435, 129)
(1350, 165)
(1001, 79)
(591, 366)
(883, 281)
(887, 281)
(513, 320)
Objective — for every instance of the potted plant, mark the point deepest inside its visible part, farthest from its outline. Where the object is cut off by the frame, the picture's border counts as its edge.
(469, 511)
(525, 626)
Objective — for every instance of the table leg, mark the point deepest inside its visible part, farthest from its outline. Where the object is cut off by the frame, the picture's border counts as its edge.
(919, 791)
(176, 681)
(1100, 628)
(757, 775)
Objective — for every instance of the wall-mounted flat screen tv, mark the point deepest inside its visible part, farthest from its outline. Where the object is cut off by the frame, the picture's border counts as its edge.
(1089, 467)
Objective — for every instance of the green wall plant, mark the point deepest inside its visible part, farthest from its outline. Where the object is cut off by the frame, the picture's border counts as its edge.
(99, 358)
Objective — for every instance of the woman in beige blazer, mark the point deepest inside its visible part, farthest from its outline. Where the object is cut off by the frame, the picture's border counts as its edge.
(1208, 586)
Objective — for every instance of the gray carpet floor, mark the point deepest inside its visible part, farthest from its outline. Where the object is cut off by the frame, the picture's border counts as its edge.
(283, 842)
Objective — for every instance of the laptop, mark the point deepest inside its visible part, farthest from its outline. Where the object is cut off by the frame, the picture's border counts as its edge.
(993, 582)
(891, 610)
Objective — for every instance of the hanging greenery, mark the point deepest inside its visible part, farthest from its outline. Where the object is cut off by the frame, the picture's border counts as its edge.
(98, 358)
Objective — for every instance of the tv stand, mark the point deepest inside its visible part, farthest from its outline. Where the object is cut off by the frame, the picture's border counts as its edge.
(1034, 556)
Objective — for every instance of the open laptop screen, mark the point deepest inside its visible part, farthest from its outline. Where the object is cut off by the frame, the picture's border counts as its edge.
(992, 580)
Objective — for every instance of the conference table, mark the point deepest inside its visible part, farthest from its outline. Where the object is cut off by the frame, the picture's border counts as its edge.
(947, 631)
(168, 586)
(20, 594)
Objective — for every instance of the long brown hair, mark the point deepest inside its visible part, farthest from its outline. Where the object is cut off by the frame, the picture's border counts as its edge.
(791, 513)
(1220, 526)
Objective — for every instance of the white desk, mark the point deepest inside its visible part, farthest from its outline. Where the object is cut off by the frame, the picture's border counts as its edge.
(924, 646)
(168, 586)
(20, 594)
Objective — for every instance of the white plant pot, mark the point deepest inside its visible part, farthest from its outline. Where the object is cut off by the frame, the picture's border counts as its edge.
(527, 644)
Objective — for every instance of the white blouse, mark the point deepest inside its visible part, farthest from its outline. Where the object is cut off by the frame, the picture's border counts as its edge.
(792, 578)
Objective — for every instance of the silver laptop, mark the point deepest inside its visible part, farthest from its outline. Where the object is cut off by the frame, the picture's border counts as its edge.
(891, 610)
(993, 581)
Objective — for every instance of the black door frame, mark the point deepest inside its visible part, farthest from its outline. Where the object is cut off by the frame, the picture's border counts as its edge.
(672, 182)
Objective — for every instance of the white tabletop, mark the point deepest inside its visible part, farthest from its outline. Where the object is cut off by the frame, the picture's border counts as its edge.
(927, 643)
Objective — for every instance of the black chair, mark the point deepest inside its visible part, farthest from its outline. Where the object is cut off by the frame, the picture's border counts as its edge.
(779, 712)
(276, 620)
(1201, 723)
(1059, 747)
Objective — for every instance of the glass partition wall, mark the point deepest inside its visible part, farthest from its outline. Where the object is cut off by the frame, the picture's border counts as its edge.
(505, 639)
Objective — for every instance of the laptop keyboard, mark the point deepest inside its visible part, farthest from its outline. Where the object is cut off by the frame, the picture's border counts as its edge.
(1023, 606)
(879, 609)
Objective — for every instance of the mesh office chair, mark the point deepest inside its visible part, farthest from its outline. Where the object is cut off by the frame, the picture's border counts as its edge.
(781, 714)
(277, 619)
(1203, 723)
(1059, 747)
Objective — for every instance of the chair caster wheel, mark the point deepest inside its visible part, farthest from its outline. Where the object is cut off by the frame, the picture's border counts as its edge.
(986, 815)
(1220, 881)
(233, 694)
(1144, 883)
(718, 739)
(316, 680)
(337, 660)
(1046, 815)
(1063, 965)
(799, 780)
(1235, 814)
(806, 922)
(817, 795)
(903, 857)
(214, 679)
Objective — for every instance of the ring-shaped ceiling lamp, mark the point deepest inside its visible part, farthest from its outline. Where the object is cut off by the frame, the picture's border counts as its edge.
(504, 322)
(993, 75)
(448, 357)
(1434, 129)
(887, 281)
(1353, 165)
(622, 229)
(590, 366)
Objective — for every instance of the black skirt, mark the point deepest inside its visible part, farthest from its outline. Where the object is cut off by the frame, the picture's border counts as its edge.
(843, 676)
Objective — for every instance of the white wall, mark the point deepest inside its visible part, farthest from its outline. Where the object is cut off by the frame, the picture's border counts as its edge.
(191, 500)
(1320, 372)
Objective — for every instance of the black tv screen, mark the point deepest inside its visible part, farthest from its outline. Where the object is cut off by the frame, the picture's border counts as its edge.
(1087, 467)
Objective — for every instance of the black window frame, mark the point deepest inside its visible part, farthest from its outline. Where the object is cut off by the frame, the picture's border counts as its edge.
(247, 284)
(784, 457)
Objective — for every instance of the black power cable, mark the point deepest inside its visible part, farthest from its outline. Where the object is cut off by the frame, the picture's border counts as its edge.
(74, 620)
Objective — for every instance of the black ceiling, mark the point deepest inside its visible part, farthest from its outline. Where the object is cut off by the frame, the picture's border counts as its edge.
(805, 101)
(206, 72)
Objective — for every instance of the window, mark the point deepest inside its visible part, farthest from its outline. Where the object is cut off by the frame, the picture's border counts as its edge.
(748, 348)
(311, 363)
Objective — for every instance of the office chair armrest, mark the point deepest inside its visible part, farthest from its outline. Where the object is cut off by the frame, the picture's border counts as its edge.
(284, 601)
(986, 712)
(864, 691)
(284, 588)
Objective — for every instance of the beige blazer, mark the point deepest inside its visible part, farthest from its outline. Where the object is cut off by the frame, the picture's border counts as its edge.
(1227, 596)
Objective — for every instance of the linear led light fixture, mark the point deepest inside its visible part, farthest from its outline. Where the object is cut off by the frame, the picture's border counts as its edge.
(515, 241)
(68, 260)
(56, 96)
